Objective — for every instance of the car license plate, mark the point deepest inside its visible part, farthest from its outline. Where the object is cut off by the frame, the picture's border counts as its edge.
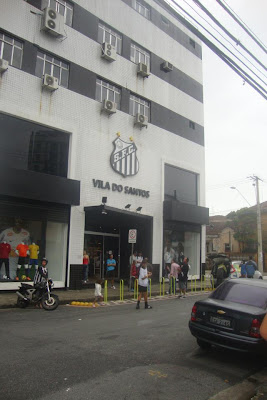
(220, 321)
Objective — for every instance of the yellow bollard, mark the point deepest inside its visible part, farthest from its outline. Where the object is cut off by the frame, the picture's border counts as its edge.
(106, 292)
(212, 282)
(149, 285)
(121, 289)
(136, 289)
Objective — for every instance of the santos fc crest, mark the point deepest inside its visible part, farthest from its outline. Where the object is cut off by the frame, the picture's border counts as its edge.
(123, 158)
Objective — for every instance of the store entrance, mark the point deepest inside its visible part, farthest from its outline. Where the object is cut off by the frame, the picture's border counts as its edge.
(99, 246)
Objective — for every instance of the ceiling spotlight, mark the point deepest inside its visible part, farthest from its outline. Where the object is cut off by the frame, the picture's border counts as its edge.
(104, 200)
(128, 206)
(139, 208)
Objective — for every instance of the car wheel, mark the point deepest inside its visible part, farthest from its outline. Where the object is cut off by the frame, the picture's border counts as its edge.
(203, 345)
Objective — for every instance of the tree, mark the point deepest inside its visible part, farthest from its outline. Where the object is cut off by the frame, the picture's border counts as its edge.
(244, 224)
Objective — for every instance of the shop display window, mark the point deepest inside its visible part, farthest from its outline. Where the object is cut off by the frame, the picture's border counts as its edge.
(24, 242)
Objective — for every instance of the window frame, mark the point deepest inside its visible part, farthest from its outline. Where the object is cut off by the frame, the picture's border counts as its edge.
(107, 30)
(138, 6)
(67, 6)
(53, 64)
(110, 88)
(2, 46)
(139, 102)
(139, 51)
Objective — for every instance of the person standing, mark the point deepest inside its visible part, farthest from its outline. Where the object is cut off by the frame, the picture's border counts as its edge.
(134, 275)
(169, 255)
(183, 278)
(243, 271)
(86, 261)
(175, 269)
(142, 285)
(149, 270)
(111, 265)
(251, 267)
(139, 260)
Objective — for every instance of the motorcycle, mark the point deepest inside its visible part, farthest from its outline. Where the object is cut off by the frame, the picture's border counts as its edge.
(37, 294)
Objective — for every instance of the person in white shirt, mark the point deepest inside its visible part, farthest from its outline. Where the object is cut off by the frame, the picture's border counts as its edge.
(98, 294)
(142, 285)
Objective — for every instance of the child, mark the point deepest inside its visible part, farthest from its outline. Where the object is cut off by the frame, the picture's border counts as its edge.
(98, 295)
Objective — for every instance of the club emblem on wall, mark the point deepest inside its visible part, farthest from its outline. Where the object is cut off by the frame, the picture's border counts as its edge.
(123, 159)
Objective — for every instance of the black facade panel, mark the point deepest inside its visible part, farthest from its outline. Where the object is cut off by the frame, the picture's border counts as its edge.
(182, 212)
(82, 81)
(125, 100)
(35, 3)
(29, 57)
(175, 123)
(85, 22)
(177, 79)
(37, 186)
(126, 47)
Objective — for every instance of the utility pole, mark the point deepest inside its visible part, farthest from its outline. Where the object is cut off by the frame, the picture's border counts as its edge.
(259, 229)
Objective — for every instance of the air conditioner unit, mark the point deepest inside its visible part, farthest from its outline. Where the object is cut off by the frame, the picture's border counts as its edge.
(109, 106)
(166, 66)
(52, 22)
(3, 65)
(50, 82)
(143, 70)
(109, 52)
(141, 120)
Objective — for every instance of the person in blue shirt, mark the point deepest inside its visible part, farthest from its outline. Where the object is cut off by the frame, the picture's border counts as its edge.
(111, 265)
(243, 270)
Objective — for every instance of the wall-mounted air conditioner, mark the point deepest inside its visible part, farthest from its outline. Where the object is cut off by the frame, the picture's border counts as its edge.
(52, 22)
(141, 120)
(3, 65)
(50, 82)
(109, 106)
(108, 52)
(143, 70)
(167, 66)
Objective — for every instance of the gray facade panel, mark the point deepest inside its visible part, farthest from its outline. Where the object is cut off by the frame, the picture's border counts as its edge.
(125, 100)
(175, 123)
(29, 57)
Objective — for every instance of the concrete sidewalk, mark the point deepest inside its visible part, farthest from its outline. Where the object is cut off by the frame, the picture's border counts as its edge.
(8, 299)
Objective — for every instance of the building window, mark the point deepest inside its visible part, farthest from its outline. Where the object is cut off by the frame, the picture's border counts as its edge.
(191, 125)
(139, 55)
(107, 91)
(47, 64)
(106, 34)
(62, 7)
(141, 8)
(11, 50)
(192, 42)
(164, 20)
(181, 185)
(139, 106)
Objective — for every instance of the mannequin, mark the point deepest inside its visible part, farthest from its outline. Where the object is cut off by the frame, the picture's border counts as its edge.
(5, 250)
(22, 251)
(34, 251)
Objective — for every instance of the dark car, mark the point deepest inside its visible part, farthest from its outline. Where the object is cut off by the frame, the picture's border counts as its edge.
(231, 316)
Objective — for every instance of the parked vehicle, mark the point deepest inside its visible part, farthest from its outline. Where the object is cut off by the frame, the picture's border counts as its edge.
(231, 316)
(37, 294)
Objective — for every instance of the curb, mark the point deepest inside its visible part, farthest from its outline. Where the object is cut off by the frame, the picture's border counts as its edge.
(244, 390)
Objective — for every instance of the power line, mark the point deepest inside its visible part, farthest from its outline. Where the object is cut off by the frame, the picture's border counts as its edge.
(242, 24)
(228, 41)
(206, 11)
(215, 49)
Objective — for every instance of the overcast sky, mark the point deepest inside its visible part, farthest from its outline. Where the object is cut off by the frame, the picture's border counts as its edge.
(235, 118)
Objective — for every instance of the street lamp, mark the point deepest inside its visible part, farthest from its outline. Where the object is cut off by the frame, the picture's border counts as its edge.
(233, 187)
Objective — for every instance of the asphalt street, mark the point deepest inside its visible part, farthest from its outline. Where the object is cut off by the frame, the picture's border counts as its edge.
(111, 353)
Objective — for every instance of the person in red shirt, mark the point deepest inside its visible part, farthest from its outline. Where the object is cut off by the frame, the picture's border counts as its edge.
(134, 274)
(5, 250)
(23, 250)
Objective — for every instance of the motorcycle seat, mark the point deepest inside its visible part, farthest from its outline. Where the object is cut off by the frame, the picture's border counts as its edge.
(27, 286)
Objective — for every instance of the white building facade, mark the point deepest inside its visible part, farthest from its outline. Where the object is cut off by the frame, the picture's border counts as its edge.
(97, 139)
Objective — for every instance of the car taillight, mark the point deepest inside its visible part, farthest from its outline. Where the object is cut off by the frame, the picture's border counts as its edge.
(255, 329)
(194, 313)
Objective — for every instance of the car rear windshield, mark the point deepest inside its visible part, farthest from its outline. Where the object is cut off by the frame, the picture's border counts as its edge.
(243, 294)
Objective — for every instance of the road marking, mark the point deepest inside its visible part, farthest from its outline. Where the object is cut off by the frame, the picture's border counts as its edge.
(158, 374)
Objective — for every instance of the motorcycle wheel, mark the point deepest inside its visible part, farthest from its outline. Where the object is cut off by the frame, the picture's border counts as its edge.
(21, 303)
(50, 305)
